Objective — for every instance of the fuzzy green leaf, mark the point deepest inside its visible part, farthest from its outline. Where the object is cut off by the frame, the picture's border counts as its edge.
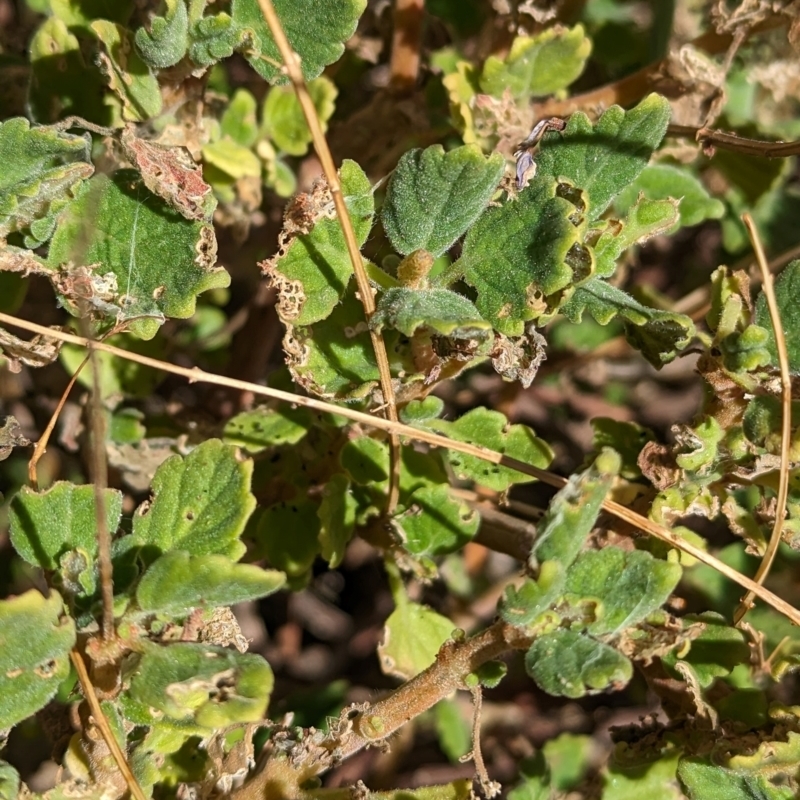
(442, 311)
(215, 37)
(714, 653)
(315, 268)
(154, 260)
(165, 44)
(435, 523)
(288, 535)
(420, 411)
(434, 197)
(663, 181)
(538, 65)
(524, 255)
(627, 586)
(265, 427)
(200, 504)
(41, 170)
(127, 75)
(412, 636)
(702, 780)
(659, 335)
(334, 358)
(491, 429)
(645, 219)
(35, 640)
(46, 525)
(787, 290)
(209, 686)
(283, 119)
(572, 513)
(605, 158)
(63, 82)
(522, 606)
(9, 782)
(316, 29)
(568, 664)
(365, 460)
(177, 582)
(627, 438)
(337, 518)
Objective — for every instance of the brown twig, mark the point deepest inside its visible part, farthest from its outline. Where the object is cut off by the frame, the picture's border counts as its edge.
(723, 140)
(292, 65)
(434, 439)
(406, 43)
(102, 724)
(41, 445)
(786, 409)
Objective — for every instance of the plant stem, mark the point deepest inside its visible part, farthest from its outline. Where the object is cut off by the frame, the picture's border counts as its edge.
(195, 375)
(292, 64)
(723, 140)
(786, 422)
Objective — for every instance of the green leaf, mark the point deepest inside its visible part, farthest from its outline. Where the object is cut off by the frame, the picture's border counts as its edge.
(215, 38)
(62, 82)
(421, 411)
(714, 653)
(412, 636)
(46, 525)
(41, 170)
(200, 504)
(337, 518)
(154, 260)
(35, 640)
(659, 335)
(627, 438)
(572, 513)
(165, 44)
(334, 358)
(209, 686)
(283, 119)
(568, 664)
(313, 271)
(239, 119)
(452, 730)
(491, 429)
(605, 158)
(316, 29)
(265, 427)
(626, 585)
(434, 197)
(538, 65)
(702, 780)
(288, 534)
(645, 219)
(524, 257)
(440, 310)
(787, 290)
(9, 782)
(232, 158)
(523, 605)
(177, 582)
(663, 181)
(654, 780)
(127, 75)
(435, 523)
(365, 460)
